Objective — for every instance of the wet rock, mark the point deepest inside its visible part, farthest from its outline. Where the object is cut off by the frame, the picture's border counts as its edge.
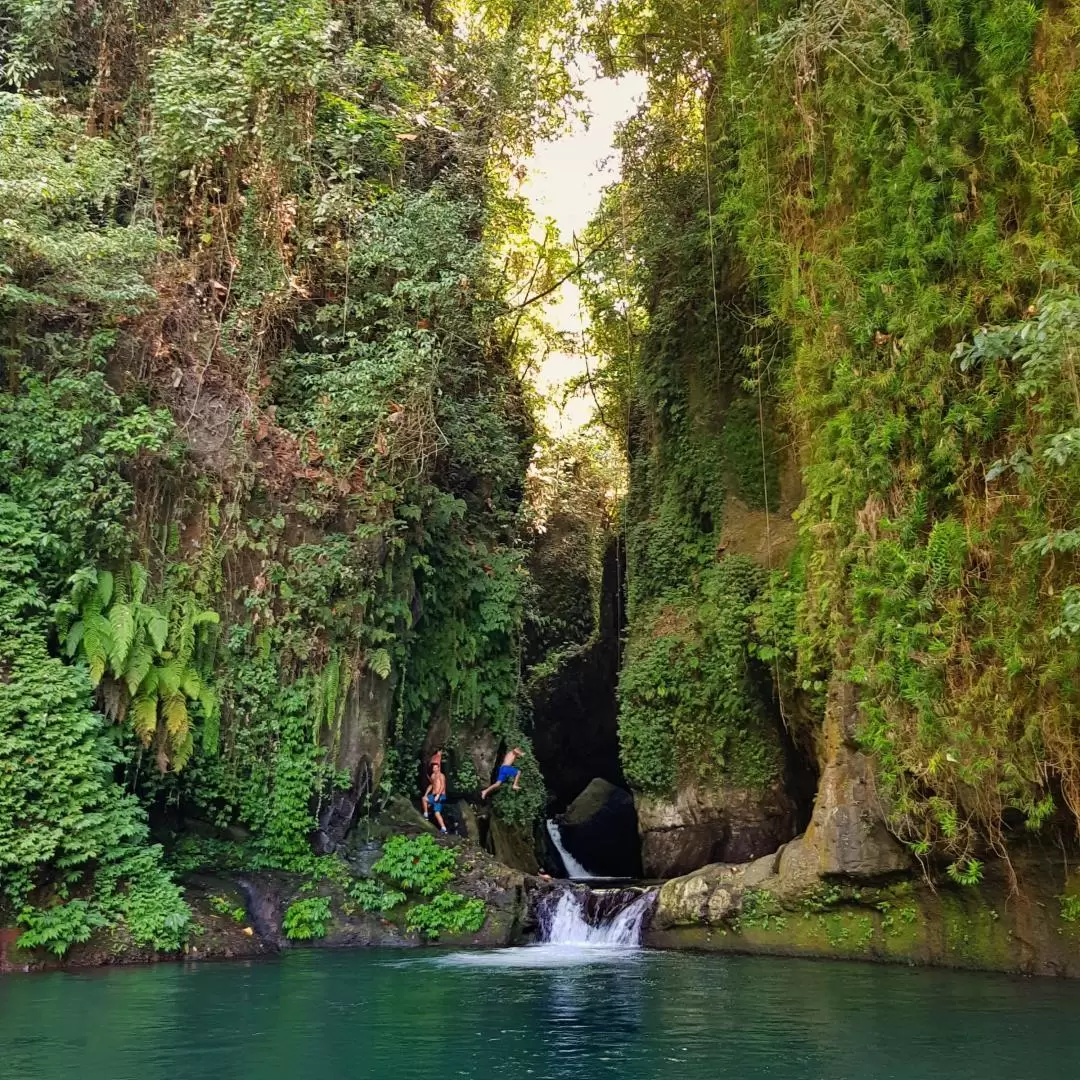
(600, 829)
(721, 905)
(685, 901)
(756, 874)
(399, 815)
(463, 816)
(682, 901)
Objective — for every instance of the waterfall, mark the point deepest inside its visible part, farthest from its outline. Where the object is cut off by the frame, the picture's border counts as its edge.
(574, 869)
(605, 917)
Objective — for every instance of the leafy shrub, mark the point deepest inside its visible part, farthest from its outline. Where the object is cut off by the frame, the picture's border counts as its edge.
(307, 919)
(1070, 907)
(58, 928)
(371, 896)
(417, 864)
(420, 865)
(147, 655)
(446, 913)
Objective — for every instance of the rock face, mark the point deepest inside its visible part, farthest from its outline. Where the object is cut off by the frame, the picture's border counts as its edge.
(359, 749)
(600, 830)
(756, 908)
(575, 732)
(512, 846)
(729, 824)
(847, 834)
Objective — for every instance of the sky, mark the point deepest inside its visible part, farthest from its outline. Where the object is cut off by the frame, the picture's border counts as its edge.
(564, 181)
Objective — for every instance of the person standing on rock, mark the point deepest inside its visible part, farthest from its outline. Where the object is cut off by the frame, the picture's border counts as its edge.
(507, 771)
(435, 795)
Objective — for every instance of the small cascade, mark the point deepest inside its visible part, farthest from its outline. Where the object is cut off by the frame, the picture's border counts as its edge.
(574, 869)
(613, 917)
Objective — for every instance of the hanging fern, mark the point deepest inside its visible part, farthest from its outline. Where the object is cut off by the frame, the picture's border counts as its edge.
(142, 659)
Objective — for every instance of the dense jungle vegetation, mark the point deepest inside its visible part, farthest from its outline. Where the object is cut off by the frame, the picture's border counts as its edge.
(267, 309)
(850, 254)
(264, 440)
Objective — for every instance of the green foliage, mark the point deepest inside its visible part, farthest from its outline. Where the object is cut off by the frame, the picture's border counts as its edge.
(267, 769)
(888, 207)
(422, 867)
(1070, 907)
(447, 913)
(750, 462)
(221, 905)
(417, 864)
(371, 896)
(59, 927)
(966, 871)
(63, 243)
(318, 197)
(307, 919)
(760, 910)
(65, 825)
(147, 654)
(689, 709)
(68, 832)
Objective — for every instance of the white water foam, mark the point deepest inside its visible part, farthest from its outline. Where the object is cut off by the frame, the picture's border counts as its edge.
(578, 927)
(574, 869)
(565, 921)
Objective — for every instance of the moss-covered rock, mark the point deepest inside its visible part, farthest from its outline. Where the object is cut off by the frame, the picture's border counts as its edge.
(753, 909)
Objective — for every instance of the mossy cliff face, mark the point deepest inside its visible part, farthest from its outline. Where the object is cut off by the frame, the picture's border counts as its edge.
(699, 730)
(860, 218)
(263, 440)
(757, 909)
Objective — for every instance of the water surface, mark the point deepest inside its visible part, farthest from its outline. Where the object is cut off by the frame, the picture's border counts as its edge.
(545, 1012)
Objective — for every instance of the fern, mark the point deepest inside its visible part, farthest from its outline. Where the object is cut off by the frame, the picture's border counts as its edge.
(122, 636)
(122, 622)
(946, 552)
(175, 712)
(143, 713)
(139, 664)
(157, 626)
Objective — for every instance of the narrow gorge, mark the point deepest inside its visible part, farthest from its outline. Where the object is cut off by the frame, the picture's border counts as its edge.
(786, 627)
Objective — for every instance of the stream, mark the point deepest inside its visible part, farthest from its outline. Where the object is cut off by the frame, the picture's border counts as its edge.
(549, 1011)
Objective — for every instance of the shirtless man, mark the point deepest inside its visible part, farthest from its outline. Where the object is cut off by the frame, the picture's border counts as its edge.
(435, 795)
(507, 771)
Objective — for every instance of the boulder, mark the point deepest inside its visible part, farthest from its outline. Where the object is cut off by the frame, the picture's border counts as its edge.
(698, 827)
(600, 829)
(512, 846)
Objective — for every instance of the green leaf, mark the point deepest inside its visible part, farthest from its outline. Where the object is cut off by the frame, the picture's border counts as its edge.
(379, 662)
(122, 621)
(104, 588)
(157, 626)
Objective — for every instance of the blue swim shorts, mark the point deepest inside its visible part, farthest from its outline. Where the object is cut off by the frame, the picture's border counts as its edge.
(507, 772)
(436, 803)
